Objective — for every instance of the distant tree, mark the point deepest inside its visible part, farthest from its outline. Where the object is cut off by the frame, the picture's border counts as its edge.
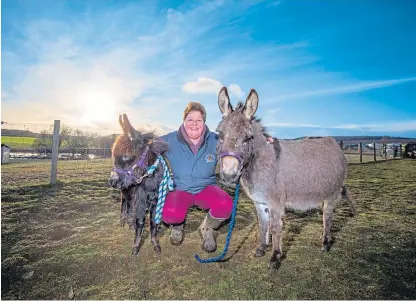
(104, 141)
(44, 140)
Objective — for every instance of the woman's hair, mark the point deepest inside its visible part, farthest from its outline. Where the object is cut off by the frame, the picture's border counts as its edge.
(195, 106)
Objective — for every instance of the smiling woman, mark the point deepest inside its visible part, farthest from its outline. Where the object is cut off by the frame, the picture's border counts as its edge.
(97, 106)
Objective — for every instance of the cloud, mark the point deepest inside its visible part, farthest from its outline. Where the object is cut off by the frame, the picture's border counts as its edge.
(236, 90)
(388, 126)
(205, 85)
(347, 89)
(291, 125)
(74, 71)
(202, 85)
(274, 3)
(149, 62)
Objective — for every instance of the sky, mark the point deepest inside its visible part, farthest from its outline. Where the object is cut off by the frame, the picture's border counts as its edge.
(319, 67)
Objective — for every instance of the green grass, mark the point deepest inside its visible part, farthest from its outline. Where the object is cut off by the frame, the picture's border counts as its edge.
(18, 142)
(69, 236)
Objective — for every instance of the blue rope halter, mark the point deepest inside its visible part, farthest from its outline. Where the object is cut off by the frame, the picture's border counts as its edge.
(230, 231)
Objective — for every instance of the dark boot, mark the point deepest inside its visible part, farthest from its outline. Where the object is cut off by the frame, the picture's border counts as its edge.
(176, 235)
(207, 230)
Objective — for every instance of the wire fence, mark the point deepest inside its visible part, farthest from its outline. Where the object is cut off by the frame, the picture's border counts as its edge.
(24, 142)
(27, 142)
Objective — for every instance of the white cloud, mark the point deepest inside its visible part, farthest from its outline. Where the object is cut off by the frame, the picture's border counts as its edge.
(205, 85)
(202, 85)
(291, 125)
(388, 126)
(236, 90)
(274, 3)
(88, 92)
(84, 75)
(347, 89)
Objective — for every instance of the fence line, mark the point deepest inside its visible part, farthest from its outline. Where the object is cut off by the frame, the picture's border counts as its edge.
(31, 142)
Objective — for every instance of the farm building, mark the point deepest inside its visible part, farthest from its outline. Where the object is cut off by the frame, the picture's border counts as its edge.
(410, 149)
(5, 153)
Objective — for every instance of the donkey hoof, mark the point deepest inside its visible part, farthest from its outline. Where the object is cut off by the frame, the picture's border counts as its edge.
(274, 265)
(325, 247)
(157, 249)
(259, 253)
(135, 251)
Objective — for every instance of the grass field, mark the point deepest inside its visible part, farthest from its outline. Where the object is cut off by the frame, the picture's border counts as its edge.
(55, 239)
(18, 142)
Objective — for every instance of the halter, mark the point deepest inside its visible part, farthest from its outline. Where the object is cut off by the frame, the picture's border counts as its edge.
(130, 172)
(236, 155)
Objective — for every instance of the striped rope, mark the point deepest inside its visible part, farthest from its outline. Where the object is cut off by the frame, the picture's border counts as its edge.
(167, 183)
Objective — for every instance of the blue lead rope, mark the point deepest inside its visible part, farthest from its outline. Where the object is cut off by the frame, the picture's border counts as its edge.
(230, 231)
(167, 183)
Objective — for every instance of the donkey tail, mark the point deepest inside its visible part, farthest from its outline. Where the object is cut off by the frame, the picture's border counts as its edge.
(345, 193)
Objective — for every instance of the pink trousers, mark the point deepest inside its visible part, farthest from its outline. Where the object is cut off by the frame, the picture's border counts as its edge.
(212, 197)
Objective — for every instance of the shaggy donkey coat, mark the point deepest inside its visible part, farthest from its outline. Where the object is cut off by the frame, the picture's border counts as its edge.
(138, 195)
(300, 174)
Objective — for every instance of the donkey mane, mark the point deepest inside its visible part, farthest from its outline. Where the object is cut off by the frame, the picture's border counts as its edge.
(124, 146)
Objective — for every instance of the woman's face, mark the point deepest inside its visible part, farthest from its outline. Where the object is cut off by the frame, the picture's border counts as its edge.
(194, 124)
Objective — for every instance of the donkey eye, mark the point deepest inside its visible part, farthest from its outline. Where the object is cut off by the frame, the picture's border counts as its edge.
(247, 139)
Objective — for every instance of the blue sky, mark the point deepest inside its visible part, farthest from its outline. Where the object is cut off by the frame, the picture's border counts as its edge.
(319, 67)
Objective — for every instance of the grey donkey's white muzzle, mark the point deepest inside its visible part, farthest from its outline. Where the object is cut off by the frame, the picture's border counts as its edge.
(229, 165)
(230, 168)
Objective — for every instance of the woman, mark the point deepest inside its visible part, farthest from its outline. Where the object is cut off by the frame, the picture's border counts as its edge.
(192, 155)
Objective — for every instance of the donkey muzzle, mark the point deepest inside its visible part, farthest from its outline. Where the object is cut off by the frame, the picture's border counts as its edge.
(230, 167)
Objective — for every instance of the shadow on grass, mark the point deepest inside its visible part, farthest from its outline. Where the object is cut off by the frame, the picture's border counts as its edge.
(373, 162)
(40, 204)
(398, 271)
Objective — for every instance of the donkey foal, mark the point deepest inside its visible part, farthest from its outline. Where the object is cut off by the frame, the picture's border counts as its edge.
(133, 153)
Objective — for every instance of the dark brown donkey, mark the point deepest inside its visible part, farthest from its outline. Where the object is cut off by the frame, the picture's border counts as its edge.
(133, 152)
(300, 174)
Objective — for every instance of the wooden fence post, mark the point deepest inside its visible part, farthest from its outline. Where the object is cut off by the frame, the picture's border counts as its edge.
(361, 152)
(401, 152)
(340, 144)
(55, 147)
(375, 152)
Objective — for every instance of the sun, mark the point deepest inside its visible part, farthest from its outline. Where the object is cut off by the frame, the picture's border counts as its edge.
(97, 107)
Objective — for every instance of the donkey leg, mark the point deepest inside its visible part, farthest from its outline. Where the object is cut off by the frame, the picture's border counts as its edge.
(263, 219)
(154, 228)
(140, 223)
(345, 193)
(276, 228)
(131, 211)
(327, 217)
(123, 213)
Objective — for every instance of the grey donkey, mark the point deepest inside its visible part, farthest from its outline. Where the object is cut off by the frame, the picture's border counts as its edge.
(299, 174)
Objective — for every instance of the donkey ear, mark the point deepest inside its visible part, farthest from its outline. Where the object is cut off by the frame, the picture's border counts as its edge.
(224, 102)
(251, 105)
(127, 128)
